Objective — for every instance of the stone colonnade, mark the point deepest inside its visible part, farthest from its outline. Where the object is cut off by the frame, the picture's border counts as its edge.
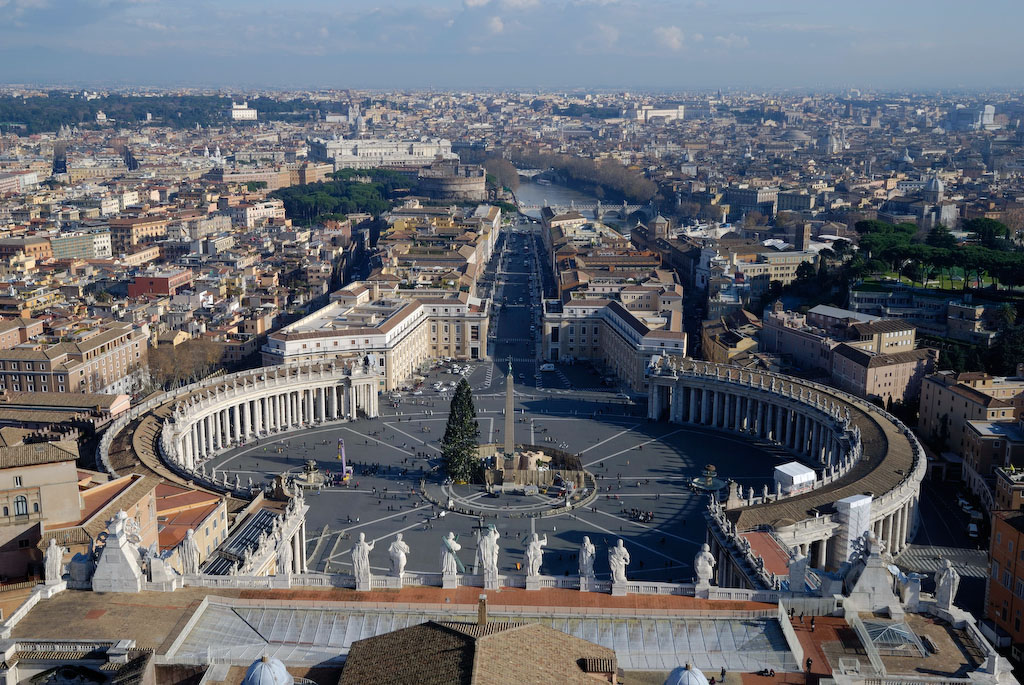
(279, 400)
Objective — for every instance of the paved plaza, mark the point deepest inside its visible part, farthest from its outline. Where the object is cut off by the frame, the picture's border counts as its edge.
(638, 465)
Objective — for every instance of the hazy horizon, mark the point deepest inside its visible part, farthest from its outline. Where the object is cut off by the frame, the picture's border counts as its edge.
(513, 44)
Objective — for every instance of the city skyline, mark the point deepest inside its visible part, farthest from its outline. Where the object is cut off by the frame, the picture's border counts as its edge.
(520, 44)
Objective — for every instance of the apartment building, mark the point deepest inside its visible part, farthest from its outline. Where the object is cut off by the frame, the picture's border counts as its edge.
(180, 509)
(602, 329)
(160, 282)
(127, 233)
(990, 445)
(35, 247)
(950, 400)
(1004, 587)
(396, 330)
(38, 484)
(252, 214)
(730, 339)
(107, 359)
(891, 377)
(82, 245)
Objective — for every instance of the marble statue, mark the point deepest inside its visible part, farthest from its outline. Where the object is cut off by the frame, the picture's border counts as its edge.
(285, 557)
(189, 553)
(449, 555)
(54, 563)
(586, 558)
(361, 559)
(704, 565)
(398, 551)
(947, 582)
(618, 560)
(534, 554)
(487, 554)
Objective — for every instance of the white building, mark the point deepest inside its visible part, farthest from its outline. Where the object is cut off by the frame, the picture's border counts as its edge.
(242, 112)
(374, 153)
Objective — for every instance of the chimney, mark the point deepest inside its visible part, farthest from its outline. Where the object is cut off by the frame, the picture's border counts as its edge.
(481, 611)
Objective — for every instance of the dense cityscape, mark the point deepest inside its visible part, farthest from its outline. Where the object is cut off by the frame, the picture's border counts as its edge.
(333, 385)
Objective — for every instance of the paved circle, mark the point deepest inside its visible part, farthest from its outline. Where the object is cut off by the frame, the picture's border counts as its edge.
(638, 465)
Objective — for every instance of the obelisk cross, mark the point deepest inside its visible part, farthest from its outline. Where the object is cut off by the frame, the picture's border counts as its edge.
(510, 410)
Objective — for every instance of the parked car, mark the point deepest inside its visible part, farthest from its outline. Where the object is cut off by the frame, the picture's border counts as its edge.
(972, 530)
(547, 367)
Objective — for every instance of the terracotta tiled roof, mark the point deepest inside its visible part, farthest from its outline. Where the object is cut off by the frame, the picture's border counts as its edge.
(37, 453)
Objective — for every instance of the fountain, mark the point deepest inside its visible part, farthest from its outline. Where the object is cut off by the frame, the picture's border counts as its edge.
(708, 481)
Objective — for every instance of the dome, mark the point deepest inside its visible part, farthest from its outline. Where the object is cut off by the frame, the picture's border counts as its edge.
(686, 675)
(269, 671)
(934, 185)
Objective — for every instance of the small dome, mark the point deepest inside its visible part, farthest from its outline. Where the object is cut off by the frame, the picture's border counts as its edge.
(934, 185)
(269, 671)
(686, 675)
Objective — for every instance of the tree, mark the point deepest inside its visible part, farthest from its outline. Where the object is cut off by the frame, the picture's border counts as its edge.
(459, 445)
(989, 232)
(805, 271)
(504, 173)
(940, 237)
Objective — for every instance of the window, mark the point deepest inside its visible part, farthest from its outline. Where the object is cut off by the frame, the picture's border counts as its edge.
(17, 481)
(21, 505)
(995, 570)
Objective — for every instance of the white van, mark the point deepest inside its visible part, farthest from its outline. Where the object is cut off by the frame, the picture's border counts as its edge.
(547, 367)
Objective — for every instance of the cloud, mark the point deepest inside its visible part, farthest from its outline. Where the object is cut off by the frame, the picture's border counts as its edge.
(520, 4)
(476, 3)
(609, 34)
(496, 25)
(732, 41)
(670, 37)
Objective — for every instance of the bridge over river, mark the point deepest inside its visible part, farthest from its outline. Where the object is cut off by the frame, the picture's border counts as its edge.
(595, 209)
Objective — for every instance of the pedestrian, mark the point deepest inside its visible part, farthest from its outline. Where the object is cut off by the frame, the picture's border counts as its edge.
(721, 678)
(810, 662)
(801, 618)
(812, 624)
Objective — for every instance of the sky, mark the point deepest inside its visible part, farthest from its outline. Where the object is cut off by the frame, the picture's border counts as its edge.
(670, 45)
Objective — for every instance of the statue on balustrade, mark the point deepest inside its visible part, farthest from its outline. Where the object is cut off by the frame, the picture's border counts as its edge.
(188, 554)
(534, 554)
(618, 560)
(398, 551)
(947, 582)
(361, 559)
(487, 554)
(704, 565)
(53, 563)
(586, 558)
(449, 555)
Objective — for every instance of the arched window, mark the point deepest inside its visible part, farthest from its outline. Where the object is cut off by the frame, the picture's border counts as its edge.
(35, 507)
(21, 505)
(7, 512)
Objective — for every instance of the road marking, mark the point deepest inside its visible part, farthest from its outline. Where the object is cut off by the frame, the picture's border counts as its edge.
(409, 435)
(622, 432)
(630, 449)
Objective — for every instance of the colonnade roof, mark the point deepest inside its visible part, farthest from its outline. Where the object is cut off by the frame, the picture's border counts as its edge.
(888, 455)
(888, 458)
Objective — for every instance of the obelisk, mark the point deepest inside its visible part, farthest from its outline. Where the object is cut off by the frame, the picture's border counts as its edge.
(510, 410)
